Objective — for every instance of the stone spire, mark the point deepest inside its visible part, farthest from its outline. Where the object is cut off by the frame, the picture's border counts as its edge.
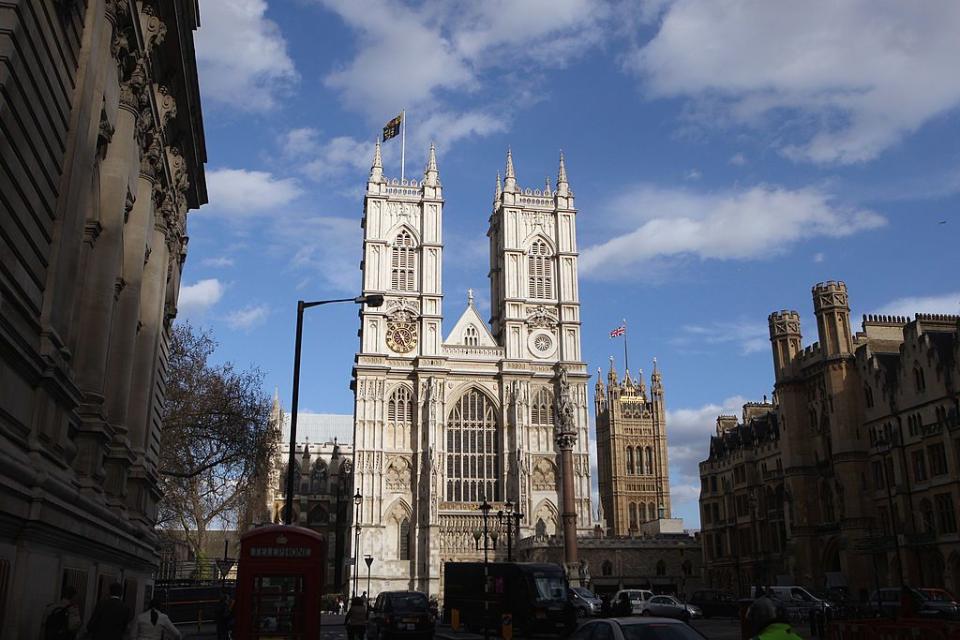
(612, 374)
(499, 191)
(641, 385)
(656, 384)
(376, 169)
(431, 175)
(509, 177)
(562, 187)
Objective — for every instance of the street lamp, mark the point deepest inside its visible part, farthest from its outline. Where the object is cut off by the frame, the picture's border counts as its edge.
(485, 508)
(512, 519)
(357, 500)
(372, 300)
(369, 560)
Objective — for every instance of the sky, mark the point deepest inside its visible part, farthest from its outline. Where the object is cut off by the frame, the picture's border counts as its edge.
(726, 155)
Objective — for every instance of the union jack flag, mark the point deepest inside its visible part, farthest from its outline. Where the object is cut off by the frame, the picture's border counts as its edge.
(619, 331)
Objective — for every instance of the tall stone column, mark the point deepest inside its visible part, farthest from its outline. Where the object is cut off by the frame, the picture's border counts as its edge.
(566, 439)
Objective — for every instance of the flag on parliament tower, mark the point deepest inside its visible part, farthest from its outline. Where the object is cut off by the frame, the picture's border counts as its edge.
(619, 331)
(392, 128)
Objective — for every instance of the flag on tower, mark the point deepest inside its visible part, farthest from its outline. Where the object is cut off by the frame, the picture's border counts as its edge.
(619, 331)
(392, 128)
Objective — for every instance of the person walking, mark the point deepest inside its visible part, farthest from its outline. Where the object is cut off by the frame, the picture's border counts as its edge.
(768, 621)
(153, 624)
(61, 619)
(110, 618)
(356, 620)
(340, 606)
(224, 615)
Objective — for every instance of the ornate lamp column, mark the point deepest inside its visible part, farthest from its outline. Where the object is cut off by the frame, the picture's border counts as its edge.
(566, 438)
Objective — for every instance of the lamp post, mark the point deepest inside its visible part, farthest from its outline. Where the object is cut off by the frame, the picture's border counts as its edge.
(512, 518)
(372, 300)
(357, 500)
(485, 508)
(369, 560)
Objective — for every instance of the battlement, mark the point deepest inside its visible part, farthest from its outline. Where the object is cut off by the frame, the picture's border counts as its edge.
(810, 351)
(831, 294)
(830, 285)
(785, 322)
(884, 320)
(938, 317)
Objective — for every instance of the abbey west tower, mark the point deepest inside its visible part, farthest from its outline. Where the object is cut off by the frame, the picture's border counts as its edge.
(442, 424)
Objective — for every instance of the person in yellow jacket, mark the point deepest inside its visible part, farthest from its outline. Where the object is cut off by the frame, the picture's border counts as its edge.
(768, 621)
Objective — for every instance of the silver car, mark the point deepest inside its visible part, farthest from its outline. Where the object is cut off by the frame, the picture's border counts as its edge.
(646, 628)
(670, 607)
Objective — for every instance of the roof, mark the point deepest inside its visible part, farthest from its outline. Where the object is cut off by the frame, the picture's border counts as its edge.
(469, 318)
(319, 428)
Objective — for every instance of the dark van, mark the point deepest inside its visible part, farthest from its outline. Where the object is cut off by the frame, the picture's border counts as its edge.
(715, 604)
(534, 594)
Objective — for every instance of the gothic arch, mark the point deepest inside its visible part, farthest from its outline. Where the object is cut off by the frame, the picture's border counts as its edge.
(538, 236)
(318, 477)
(547, 513)
(541, 416)
(544, 475)
(541, 271)
(398, 474)
(473, 437)
(404, 260)
(318, 516)
(400, 413)
(397, 513)
(400, 227)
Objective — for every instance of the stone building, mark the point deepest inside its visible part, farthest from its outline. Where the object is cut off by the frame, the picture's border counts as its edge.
(445, 423)
(869, 446)
(632, 467)
(102, 156)
(323, 484)
(742, 520)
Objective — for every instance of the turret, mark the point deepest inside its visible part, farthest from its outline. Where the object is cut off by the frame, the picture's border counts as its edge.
(784, 339)
(656, 382)
(509, 176)
(563, 188)
(599, 392)
(641, 386)
(376, 169)
(431, 175)
(832, 309)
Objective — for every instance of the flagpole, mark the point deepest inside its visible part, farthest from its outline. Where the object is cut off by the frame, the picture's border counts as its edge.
(626, 358)
(403, 141)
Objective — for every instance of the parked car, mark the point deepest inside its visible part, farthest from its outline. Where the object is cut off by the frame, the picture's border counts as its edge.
(796, 599)
(670, 607)
(586, 603)
(647, 628)
(638, 599)
(400, 614)
(715, 603)
(925, 602)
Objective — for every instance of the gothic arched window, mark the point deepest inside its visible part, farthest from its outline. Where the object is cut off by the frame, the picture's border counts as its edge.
(630, 467)
(918, 378)
(473, 450)
(649, 461)
(643, 512)
(318, 516)
(403, 263)
(399, 416)
(633, 515)
(318, 478)
(661, 568)
(471, 337)
(541, 409)
(652, 510)
(403, 539)
(606, 568)
(540, 271)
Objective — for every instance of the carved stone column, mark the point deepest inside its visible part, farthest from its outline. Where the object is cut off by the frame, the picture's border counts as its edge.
(566, 439)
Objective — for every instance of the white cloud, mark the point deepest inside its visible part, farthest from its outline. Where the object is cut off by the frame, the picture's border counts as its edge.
(242, 56)
(327, 247)
(338, 155)
(299, 142)
(219, 262)
(196, 298)
(947, 303)
(248, 317)
(249, 193)
(738, 159)
(751, 337)
(748, 224)
(409, 56)
(819, 257)
(861, 74)
(693, 174)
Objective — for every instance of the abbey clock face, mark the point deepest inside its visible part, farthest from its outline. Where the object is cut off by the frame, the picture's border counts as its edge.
(402, 336)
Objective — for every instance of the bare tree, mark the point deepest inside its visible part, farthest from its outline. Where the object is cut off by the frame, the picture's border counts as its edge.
(217, 440)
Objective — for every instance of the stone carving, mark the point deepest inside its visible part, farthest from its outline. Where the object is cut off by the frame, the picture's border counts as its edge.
(154, 29)
(131, 88)
(541, 317)
(105, 134)
(398, 474)
(151, 159)
(544, 476)
(166, 104)
(564, 414)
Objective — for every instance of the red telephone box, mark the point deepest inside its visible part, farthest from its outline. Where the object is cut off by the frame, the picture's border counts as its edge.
(280, 577)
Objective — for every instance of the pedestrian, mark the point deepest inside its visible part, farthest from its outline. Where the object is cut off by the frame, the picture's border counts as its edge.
(61, 619)
(768, 621)
(224, 615)
(152, 624)
(110, 618)
(623, 608)
(339, 605)
(356, 620)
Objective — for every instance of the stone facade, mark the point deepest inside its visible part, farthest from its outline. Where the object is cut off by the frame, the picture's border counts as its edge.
(661, 563)
(869, 444)
(442, 424)
(102, 156)
(632, 466)
(323, 484)
(742, 520)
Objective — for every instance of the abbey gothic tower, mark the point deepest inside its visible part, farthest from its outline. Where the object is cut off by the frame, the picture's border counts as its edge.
(445, 422)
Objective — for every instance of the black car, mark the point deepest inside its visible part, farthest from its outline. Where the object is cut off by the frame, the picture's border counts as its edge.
(715, 604)
(400, 614)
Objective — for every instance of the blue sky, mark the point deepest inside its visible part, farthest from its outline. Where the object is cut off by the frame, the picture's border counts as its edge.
(725, 156)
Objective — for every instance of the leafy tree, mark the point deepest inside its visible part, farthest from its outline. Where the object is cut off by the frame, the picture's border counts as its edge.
(218, 440)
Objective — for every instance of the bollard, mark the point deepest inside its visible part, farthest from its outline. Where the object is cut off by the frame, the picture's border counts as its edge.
(455, 619)
(506, 626)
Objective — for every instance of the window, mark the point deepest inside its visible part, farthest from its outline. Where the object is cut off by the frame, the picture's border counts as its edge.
(661, 568)
(649, 453)
(919, 466)
(399, 417)
(713, 484)
(403, 263)
(643, 512)
(706, 514)
(318, 479)
(718, 546)
(878, 475)
(403, 538)
(945, 513)
(473, 448)
(868, 393)
(630, 468)
(938, 459)
(926, 517)
(633, 515)
(652, 510)
(541, 411)
(918, 378)
(606, 568)
(540, 271)
(471, 337)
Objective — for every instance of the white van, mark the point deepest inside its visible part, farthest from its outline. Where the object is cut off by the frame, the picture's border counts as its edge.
(638, 599)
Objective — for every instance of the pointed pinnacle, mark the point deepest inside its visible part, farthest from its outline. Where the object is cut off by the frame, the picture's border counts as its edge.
(509, 172)
(432, 159)
(499, 191)
(377, 158)
(562, 173)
